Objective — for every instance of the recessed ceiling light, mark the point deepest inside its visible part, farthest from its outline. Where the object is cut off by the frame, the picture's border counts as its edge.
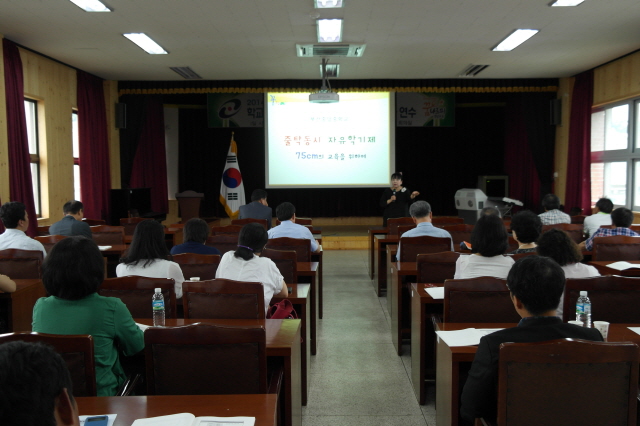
(329, 30)
(514, 40)
(565, 3)
(145, 43)
(324, 4)
(91, 5)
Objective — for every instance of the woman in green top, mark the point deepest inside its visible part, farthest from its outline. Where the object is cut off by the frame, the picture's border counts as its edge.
(72, 273)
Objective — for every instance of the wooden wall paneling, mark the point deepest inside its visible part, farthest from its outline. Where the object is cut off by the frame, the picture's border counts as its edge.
(4, 151)
(565, 89)
(617, 80)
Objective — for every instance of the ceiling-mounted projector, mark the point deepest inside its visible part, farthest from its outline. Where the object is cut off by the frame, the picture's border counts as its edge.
(325, 95)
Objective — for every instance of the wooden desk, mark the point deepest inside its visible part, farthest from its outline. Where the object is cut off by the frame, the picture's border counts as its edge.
(317, 257)
(398, 271)
(373, 231)
(299, 298)
(130, 408)
(16, 309)
(283, 342)
(380, 267)
(390, 257)
(601, 266)
(454, 363)
(423, 354)
(310, 269)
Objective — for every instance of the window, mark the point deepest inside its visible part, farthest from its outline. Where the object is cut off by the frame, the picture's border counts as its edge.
(31, 115)
(76, 155)
(615, 154)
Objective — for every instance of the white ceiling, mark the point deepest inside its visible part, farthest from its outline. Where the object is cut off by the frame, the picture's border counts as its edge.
(255, 39)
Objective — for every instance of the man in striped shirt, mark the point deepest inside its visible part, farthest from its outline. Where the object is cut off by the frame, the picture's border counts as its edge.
(622, 218)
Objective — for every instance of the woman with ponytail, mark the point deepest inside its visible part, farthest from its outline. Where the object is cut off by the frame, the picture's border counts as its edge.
(245, 264)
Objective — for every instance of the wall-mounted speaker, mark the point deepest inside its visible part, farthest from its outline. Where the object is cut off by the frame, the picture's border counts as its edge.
(121, 116)
(555, 112)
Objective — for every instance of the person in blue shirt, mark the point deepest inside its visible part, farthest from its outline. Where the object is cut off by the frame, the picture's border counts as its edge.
(422, 215)
(286, 214)
(196, 231)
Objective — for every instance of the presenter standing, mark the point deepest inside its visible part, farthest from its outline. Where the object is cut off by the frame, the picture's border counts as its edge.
(395, 200)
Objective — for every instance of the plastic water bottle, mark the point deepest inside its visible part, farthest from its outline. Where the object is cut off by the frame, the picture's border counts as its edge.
(583, 309)
(157, 303)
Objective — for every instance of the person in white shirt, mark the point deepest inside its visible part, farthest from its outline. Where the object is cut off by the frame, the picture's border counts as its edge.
(601, 216)
(15, 218)
(147, 256)
(245, 264)
(558, 245)
(286, 213)
(489, 242)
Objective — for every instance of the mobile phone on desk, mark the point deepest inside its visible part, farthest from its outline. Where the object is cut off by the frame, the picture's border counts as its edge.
(97, 421)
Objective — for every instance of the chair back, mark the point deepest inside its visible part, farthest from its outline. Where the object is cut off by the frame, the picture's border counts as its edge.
(459, 233)
(392, 224)
(94, 222)
(483, 299)
(129, 224)
(411, 247)
(519, 256)
(573, 230)
(223, 242)
(404, 228)
(440, 221)
(566, 381)
(77, 352)
(578, 219)
(617, 247)
(435, 268)
(42, 230)
(301, 246)
(198, 265)
(513, 244)
(635, 228)
(613, 298)
(104, 235)
(48, 241)
(205, 359)
(136, 293)
(223, 299)
(21, 264)
(226, 230)
(243, 222)
(286, 261)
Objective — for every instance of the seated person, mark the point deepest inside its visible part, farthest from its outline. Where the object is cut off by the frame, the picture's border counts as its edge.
(622, 219)
(558, 245)
(536, 284)
(147, 256)
(286, 213)
(15, 218)
(422, 215)
(526, 227)
(552, 214)
(35, 387)
(245, 264)
(196, 231)
(489, 242)
(72, 274)
(71, 224)
(257, 208)
(7, 284)
(601, 216)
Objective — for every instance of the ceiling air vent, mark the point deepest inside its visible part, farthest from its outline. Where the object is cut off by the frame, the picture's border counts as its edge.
(186, 73)
(329, 50)
(472, 70)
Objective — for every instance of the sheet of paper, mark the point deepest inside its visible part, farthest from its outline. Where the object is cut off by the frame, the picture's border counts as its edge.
(142, 326)
(466, 337)
(112, 418)
(103, 248)
(435, 292)
(182, 419)
(635, 329)
(225, 421)
(621, 266)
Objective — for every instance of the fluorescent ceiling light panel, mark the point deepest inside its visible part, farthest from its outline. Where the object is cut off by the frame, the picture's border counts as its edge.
(514, 40)
(566, 3)
(91, 5)
(325, 4)
(145, 43)
(329, 30)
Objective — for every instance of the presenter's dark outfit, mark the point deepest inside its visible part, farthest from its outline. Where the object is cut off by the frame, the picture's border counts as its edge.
(397, 208)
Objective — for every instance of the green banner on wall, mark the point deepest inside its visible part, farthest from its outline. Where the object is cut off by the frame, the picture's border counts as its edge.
(425, 109)
(235, 109)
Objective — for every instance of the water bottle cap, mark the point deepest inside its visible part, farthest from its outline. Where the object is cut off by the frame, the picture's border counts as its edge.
(158, 290)
(583, 293)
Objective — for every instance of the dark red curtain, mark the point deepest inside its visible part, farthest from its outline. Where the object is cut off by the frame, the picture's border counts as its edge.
(524, 183)
(579, 163)
(150, 162)
(20, 183)
(95, 181)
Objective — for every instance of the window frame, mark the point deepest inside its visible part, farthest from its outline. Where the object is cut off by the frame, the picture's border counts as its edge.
(35, 159)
